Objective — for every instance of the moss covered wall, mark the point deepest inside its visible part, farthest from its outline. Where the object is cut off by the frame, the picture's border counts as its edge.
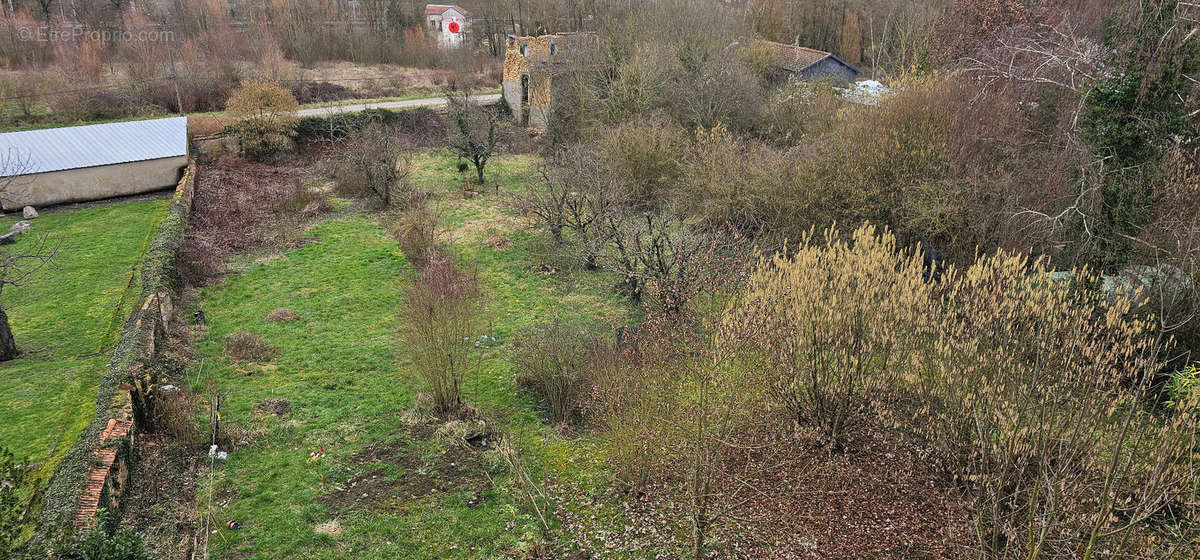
(136, 350)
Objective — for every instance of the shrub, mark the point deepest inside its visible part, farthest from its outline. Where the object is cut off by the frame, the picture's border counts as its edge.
(266, 120)
(1028, 394)
(102, 541)
(552, 359)
(1184, 388)
(441, 316)
(720, 91)
(1033, 397)
(648, 155)
(419, 127)
(372, 162)
(830, 325)
(799, 111)
(728, 181)
(245, 346)
(662, 258)
(418, 233)
(20, 496)
(577, 190)
(679, 412)
(175, 414)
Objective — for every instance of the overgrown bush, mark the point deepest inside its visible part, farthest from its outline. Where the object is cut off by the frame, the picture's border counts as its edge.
(647, 153)
(441, 316)
(1030, 395)
(800, 111)
(418, 232)
(730, 181)
(576, 189)
(20, 495)
(266, 120)
(662, 259)
(553, 359)
(240, 207)
(1033, 402)
(831, 324)
(417, 127)
(103, 540)
(245, 346)
(175, 415)
(680, 412)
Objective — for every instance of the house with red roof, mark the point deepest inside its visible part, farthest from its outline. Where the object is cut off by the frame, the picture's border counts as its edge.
(448, 22)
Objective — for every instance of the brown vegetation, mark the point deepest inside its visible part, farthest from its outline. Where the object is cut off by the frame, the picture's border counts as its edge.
(242, 207)
(244, 346)
(441, 318)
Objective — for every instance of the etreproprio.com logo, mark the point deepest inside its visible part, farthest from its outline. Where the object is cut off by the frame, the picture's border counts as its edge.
(47, 34)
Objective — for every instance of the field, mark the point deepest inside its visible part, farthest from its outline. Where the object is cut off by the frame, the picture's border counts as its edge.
(389, 485)
(61, 318)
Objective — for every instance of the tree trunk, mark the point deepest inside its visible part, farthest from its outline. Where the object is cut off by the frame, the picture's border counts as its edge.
(479, 170)
(8, 346)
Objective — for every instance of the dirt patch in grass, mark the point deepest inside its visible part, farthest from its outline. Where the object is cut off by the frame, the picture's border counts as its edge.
(274, 407)
(282, 314)
(873, 501)
(404, 472)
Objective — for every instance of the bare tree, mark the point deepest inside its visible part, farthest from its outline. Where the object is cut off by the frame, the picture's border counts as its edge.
(372, 161)
(17, 267)
(15, 167)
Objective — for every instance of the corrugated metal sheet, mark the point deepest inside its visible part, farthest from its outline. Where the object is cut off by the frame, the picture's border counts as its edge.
(72, 147)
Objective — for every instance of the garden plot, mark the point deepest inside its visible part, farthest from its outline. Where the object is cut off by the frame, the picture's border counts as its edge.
(346, 468)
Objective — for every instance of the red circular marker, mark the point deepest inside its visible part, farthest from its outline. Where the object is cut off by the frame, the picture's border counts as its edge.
(454, 27)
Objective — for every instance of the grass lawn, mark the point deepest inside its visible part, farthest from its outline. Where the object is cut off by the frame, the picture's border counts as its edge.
(386, 488)
(49, 393)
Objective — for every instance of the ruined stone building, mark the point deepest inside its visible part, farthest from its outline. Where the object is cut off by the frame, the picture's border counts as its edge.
(534, 68)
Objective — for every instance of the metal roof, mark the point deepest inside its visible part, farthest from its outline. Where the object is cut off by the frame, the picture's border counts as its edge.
(73, 147)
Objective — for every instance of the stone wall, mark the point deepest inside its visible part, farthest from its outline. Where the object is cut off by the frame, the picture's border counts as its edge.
(95, 472)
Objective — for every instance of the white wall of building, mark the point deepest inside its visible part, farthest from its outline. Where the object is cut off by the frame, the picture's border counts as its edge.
(440, 26)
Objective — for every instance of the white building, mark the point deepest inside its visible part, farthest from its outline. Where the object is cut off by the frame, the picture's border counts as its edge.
(450, 23)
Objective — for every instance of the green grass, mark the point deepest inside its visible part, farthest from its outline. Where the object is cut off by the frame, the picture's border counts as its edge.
(344, 372)
(59, 318)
